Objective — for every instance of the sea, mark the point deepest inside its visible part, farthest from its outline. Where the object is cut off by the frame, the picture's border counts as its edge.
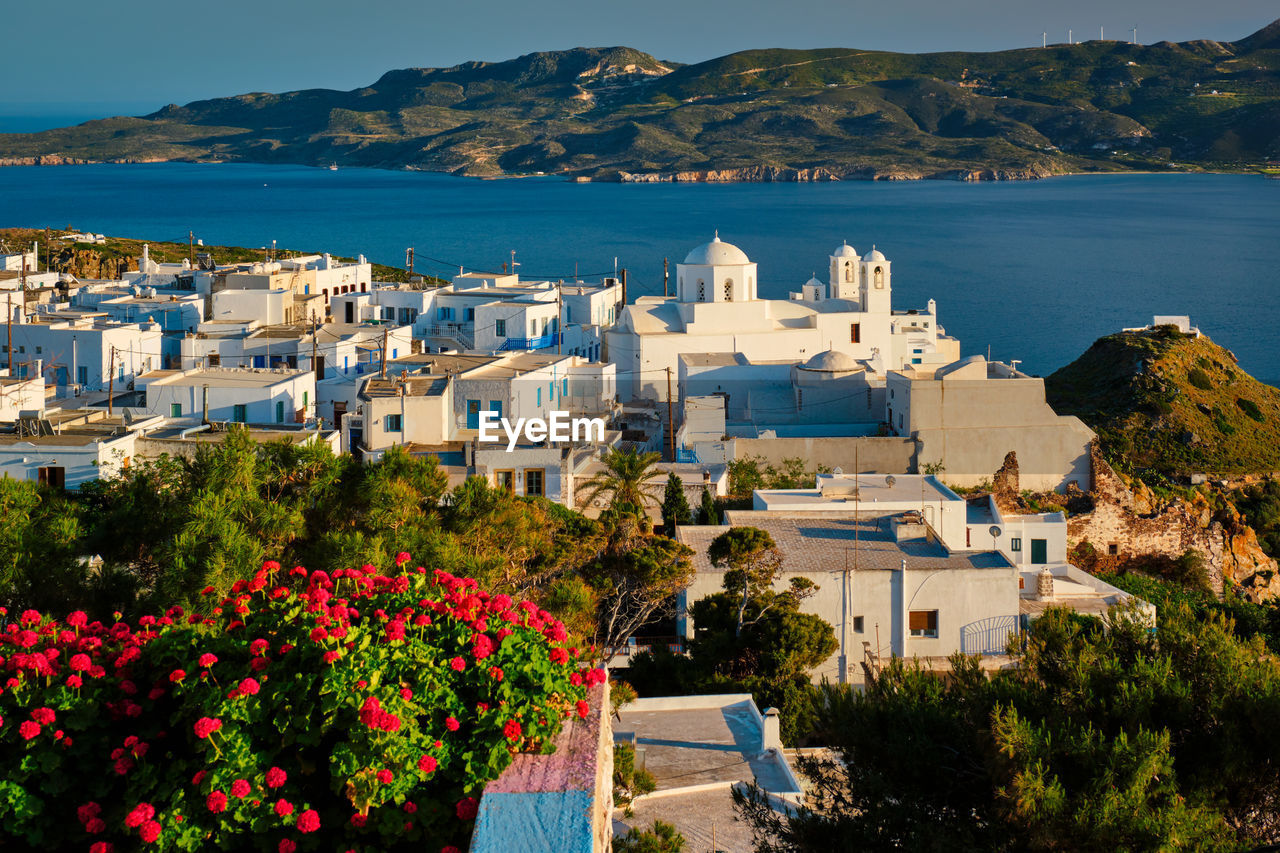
(1033, 271)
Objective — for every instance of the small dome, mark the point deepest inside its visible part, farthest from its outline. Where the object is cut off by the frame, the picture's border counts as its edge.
(845, 251)
(717, 253)
(832, 361)
(876, 255)
(813, 282)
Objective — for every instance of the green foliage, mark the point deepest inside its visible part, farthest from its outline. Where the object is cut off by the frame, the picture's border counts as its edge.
(1250, 408)
(753, 472)
(663, 838)
(1200, 379)
(1260, 505)
(624, 478)
(629, 781)
(707, 512)
(297, 710)
(40, 565)
(675, 507)
(1103, 737)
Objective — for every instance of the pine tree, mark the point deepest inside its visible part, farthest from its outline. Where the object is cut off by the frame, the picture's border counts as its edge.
(675, 509)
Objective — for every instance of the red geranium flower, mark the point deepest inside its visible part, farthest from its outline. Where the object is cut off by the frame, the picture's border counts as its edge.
(512, 730)
(207, 659)
(149, 831)
(276, 777)
(249, 687)
(467, 809)
(217, 802)
(427, 764)
(102, 847)
(308, 821)
(284, 808)
(29, 729)
(385, 777)
(177, 675)
(452, 724)
(458, 664)
(287, 845)
(583, 709)
(141, 812)
(206, 726)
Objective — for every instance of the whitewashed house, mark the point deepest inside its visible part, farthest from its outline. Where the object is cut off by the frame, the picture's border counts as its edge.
(235, 394)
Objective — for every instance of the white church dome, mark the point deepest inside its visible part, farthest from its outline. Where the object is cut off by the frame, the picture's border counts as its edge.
(876, 255)
(845, 251)
(832, 361)
(717, 253)
(813, 282)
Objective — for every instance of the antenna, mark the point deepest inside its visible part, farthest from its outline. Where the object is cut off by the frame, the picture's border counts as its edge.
(1135, 36)
(1069, 41)
(1102, 33)
(1044, 39)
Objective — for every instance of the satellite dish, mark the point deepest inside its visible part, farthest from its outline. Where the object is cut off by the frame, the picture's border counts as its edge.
(994, 530)
(890, 480)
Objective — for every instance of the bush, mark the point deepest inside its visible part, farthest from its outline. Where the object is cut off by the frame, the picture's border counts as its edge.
(629, 782)
(372, 708)
(1200, 379)
(663, 838)
(1251, 409)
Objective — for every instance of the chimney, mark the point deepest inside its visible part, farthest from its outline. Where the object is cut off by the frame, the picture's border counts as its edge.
(1044, 585)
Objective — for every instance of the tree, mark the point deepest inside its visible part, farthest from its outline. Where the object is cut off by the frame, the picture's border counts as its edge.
(675, 507)
(707, 513)
(635, 579)
(751, 561)
(623, 480)
(663, 838)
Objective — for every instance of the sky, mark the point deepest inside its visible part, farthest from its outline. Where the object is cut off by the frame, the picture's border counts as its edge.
(141, 54)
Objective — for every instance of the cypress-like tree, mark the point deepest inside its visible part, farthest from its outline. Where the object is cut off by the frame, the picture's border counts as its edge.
(675, 509)
(707, 510)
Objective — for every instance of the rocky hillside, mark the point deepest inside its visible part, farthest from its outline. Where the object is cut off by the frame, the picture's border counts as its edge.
(1171, 403)
(620, 114)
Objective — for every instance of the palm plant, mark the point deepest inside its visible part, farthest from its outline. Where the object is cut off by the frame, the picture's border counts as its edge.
(623, 480)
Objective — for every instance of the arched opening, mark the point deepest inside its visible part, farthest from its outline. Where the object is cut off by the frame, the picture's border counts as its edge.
(878, 277)
(848, 271)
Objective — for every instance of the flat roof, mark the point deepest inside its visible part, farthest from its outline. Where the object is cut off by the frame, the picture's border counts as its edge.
(817, 544)
(416, 385)
(66, 438)
(836, 492)
(223, 377)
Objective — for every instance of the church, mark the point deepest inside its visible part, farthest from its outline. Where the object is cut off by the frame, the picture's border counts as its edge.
(716, 309)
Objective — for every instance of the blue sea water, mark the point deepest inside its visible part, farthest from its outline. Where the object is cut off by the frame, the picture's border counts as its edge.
(1034, 270)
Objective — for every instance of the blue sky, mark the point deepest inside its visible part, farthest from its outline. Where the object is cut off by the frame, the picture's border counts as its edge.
(142, 54)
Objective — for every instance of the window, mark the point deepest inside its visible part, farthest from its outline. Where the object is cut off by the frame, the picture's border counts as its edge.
(538, 398)
(728, 290)
(469, 314)
(306, 399)
(1015, 544)
(564, 387)
(279, 411)
(500, 328)
(855, 333)
(857, 624)
(215, 359)
(702, 291)
(915, 361)
(505, 480)
(175, 410)
(82, 375)
(39, 350)
(55, 476)
(533, 481)
(444, 313)
(923, 623)
(879, 278)
(387, 313)
(392, 423)
(848, 271)
(239, 414)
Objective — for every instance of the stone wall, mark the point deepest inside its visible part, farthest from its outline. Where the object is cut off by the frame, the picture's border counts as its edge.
(1125, 523)
(875, 454)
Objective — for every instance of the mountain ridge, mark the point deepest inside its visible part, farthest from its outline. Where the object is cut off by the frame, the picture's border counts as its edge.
(617, 113)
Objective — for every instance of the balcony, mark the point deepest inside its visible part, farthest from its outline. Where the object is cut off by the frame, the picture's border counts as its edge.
(541, 342)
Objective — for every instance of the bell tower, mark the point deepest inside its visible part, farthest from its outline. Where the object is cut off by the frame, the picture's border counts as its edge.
(875, 284)
(845, 273)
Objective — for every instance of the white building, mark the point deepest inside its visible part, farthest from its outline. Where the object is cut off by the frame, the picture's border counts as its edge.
(68, 458)
(716, 310)
(77, 352)
(240, 395)
(20, 395)
(969, 414)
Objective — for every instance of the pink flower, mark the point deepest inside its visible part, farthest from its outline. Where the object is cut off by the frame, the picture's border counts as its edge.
(177, 675)
(44, 716)
(217, 802)
(29, 729)
(596, 676)
(102, 847)
(79, 663)
(427, 764)
(258, 647)
(495, 673)
(583, 709)
(77, 619)
(283, 808)
(149, 831)
(249, 687)
(559, 655)
(95, 825)
(385, 777)
(406, 694)
(75, 681)
(240, 789)
(287, 845)
(206, 726)
(276, 777)
(458, 664)
(452, 724)
(208, 659)
(358, 820)
(402, 558)
(467, 809)
(309, 821)
(512, 730)
(88, 811)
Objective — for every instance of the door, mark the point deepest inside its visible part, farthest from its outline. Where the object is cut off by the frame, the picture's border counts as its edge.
(505, 480)
(496, 407)
(351, 312)
(1039, 551)
(53, 476)
(473, 414)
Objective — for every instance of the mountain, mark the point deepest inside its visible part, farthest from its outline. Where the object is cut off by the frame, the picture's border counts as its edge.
(1173, 403)
(617, 113)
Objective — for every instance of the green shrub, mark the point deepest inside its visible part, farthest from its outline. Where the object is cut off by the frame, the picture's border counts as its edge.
(663, 838)
(1200, 379)
(629, 781)
(348, 711)
(1250, 408)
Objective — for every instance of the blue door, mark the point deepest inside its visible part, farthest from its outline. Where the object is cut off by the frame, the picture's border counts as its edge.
(259, 361)
(496, 406)
(473, 414)
(62, 375)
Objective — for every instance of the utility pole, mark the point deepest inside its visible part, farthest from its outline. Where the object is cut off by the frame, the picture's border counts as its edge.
(513, 261)
(191, 249)
(666, 276)
(559, 315)
(623, 279)
(384, 352)
(111, 380)
(671, 426)
(314, 365)
(408, 260)
(48, 254)
(8, 350)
